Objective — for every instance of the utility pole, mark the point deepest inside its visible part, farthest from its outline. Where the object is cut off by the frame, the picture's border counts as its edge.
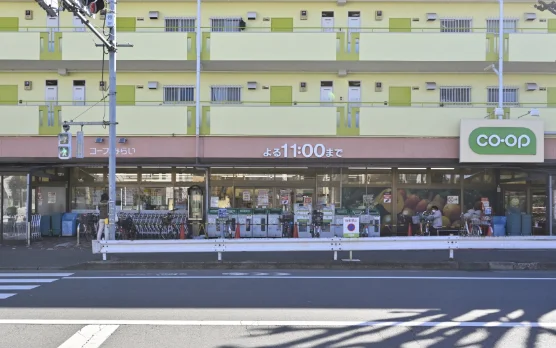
(83, 9)
(112, 119)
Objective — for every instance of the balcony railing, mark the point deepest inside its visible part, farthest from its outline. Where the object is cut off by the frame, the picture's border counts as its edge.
(421, 119)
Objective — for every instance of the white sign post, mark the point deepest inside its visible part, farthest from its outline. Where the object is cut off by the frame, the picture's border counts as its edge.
(351, 227)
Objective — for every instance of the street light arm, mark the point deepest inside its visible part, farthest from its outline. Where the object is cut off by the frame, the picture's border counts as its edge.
(543, 6)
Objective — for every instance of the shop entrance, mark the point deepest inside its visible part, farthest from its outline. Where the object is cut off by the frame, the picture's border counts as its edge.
(530, 202)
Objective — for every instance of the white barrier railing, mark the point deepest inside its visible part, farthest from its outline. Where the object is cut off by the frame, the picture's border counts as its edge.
(320, 244)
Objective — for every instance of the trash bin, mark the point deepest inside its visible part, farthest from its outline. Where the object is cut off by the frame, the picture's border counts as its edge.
(514, 224)
(499, 226)
(56, 221)
(69, 224)
(526, 224)
(45, 226)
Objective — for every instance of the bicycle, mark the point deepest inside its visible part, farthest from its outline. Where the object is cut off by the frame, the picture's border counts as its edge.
(127, 229)
(87, 226)
(169, 230)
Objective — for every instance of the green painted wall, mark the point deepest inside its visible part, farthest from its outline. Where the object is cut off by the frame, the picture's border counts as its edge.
(347, 122)
(9, 24)
(192, 44)
(191, 120)
(204, 129)
(281, 96)
(205, 53)
(125, 95)
(552, 25)
(45, 54)
(399, 96)
(128, 24)
(399, 25)
(342, 52)
(284, 25)
(551, 97)
(8, 95)
(44, 128)
(492, 44)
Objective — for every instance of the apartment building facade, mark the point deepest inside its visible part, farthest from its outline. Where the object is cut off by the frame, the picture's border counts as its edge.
(327, 102)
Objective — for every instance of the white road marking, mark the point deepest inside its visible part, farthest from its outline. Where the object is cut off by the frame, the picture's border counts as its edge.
(311, 277)
(469, 324)
(91, 336)
(5, 296)
(27, 280)
(18, 287)
(35, 274)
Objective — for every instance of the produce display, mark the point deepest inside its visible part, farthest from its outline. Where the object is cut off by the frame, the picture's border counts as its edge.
(413, 202)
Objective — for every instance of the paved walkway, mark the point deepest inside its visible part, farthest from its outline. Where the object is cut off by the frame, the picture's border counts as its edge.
(57, 253)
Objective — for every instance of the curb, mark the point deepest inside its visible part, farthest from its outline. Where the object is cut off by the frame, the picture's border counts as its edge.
(338, 265)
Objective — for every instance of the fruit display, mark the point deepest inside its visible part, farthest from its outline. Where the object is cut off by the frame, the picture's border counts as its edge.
(411, 202)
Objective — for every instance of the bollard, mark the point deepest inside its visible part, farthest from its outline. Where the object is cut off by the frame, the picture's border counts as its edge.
(451, 250)
(219, 256)
(78, 234)
(335, 256)
(28, 234)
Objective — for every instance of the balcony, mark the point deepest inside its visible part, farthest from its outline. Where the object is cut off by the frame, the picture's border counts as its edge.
(258, 119)
(261, 49)
(147, 46)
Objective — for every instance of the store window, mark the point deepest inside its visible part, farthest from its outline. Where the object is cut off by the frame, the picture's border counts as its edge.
(221, 196)
(412, 176)
(414, 201)
(87, 175)
(328, 187)
(295, 174)
(156, 175)
(445, 176)
(477, 176)
(222, 174)
(254, 174)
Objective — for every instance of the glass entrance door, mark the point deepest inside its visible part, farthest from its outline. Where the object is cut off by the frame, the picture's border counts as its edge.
(539, 202)
(515, 200)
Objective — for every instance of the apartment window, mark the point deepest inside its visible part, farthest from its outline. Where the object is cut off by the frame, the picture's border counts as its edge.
(509, 94)
(455, 95)
(179, 24)
(510, 25)
(228, 24)
(179, 94)
(455, 25)
(225, 94)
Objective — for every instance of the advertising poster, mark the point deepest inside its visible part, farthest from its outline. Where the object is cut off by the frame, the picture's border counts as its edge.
(51, 197)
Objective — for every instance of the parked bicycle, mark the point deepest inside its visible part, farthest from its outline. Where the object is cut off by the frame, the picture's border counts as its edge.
(169, 228)
(87, 226)
(126, 228)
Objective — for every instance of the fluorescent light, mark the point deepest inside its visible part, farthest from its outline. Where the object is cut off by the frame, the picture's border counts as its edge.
(357, 168)
(412, 168)
(442, 168)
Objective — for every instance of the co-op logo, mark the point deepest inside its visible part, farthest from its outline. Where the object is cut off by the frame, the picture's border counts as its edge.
(503, 141)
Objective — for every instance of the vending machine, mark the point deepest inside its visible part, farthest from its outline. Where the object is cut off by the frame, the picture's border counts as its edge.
(327, 230)
(369, 224)
(274, 225)
(302, 217)
(217, 223)
(245, 221)
(260, 223)
(195, 209)
(339, 216)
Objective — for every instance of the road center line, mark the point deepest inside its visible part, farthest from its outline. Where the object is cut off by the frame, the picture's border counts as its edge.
(309, 277)
(18, 287)
(112, 325)
(3, 280)
(35, 274)
(91, 336)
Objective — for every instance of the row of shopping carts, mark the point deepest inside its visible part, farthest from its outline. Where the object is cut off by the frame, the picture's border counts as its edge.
(152, 225)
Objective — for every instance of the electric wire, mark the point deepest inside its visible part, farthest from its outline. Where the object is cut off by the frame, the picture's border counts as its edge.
(104, 88)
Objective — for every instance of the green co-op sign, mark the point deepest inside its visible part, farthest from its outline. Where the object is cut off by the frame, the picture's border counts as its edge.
(503, 141)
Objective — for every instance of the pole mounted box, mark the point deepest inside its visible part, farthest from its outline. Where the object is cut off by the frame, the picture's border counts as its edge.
(64, 145)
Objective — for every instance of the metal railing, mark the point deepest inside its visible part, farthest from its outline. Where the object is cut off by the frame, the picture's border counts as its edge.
(23, 230)
(268, 29)
(221, 246)
(249, 103)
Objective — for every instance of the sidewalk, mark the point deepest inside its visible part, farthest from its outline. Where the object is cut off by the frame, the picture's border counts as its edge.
(62, 253)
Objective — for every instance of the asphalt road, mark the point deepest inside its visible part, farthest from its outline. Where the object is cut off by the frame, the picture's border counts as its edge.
(219, 309)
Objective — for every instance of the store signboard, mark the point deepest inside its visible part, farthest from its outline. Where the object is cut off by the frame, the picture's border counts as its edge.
(303, 151)
(502, 141)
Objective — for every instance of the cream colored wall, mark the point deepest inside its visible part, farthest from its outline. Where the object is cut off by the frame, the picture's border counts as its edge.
(262, 46)
(532, 48)
(279, 121)
(170, 46)
(420, 122)
(18, 45)
(478, 11)
(369, 96)
(20, 120)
